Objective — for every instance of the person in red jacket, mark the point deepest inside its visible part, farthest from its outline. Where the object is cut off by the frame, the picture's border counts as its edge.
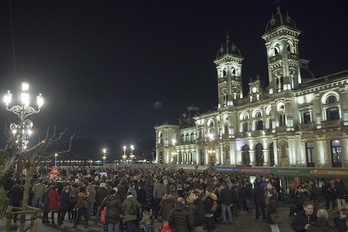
(53, 202)
(82, 206)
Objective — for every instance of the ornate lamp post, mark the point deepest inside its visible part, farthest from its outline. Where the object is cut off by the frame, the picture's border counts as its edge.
(22, 131)
(124, 156)
(132, 156)
(211, 151)
(174, 154)
(104, 157)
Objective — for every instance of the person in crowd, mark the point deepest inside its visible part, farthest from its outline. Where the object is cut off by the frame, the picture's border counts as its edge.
(141, 194)
(331, 195)
(342, 220)
(208, 201)
(272, 210)
(113, 211)
(225, 201)
(166, 205)
(259, 199)
(197, 210)
(15, 195)
(53, 202)
(158, 193)
(322, 225)
(64, 203)
(303, 220)
(131, 217)
(340, 193)
(247, 193)
(101, 193)
(313, 195)
(82, 206)
(146, 220)
(91, 196)
(180, 218)
(235, 193)
(39, 190)
(74, 191)
(45, 210)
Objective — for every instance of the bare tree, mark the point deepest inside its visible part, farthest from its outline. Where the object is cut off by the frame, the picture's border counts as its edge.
(30, 158)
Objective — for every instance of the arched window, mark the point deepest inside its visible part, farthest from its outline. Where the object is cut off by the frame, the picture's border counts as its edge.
(224, 73)
(160, 139)
(245, 123)
(226, 131)
(182, 138)
(258, 122)
(187, 137)
(332, 109)
(281, 115)
(211, 128)
(259, 155)
(271, 155)
(233, 72)
(245, 155)
(192, 137)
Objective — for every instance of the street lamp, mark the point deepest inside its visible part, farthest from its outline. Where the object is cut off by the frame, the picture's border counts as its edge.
(55, 159)
(124, 156)
(132, 156)
(23, 130)
(211, 151)
(104, 156)
(174, 154)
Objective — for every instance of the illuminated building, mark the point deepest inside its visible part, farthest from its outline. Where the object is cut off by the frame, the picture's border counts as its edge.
(298, 120)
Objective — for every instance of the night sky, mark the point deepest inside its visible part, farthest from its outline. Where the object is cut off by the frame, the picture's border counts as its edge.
(113, 69)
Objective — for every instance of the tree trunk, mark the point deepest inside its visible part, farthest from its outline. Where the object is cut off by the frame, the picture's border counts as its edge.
(25, 196)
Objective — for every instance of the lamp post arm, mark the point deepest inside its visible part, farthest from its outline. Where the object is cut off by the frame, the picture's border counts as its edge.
(22, 111)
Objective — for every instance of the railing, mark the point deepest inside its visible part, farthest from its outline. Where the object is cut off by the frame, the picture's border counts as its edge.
(32, 212)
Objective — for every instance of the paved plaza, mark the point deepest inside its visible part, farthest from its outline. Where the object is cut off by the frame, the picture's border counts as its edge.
(242, 223)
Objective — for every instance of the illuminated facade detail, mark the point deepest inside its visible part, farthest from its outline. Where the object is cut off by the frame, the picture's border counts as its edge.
(298, 120)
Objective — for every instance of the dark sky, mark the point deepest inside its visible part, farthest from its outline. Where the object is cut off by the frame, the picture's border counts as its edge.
(113, 69)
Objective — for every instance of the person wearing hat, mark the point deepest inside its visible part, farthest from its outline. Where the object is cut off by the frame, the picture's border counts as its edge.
(82, 205)
(340, 192)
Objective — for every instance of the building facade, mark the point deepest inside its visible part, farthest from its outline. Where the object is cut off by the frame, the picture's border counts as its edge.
(298, 120)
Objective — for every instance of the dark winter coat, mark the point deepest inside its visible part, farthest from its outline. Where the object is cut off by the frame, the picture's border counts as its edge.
(198, 212)
(225, 196)
(166, 205)
(64, 201)
(82, 200)
(259, 193)
(16, 195)
(181, 219)
(340, 189)
(141, 196)
(208, 200)
(100, 195)
(272, 208)
(300, 220)
(321, 226)
(341, 224)
(234, 194)
(113, 209)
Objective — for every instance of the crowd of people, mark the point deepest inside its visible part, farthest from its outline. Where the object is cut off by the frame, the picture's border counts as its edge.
(132, 198)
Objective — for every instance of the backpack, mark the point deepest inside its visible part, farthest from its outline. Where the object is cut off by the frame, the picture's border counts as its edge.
(133, 209)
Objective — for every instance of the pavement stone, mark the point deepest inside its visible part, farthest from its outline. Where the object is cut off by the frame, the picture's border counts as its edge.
(243, 223)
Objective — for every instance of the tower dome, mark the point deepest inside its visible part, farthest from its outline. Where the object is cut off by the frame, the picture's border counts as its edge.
(279, 20)
(228, 49)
